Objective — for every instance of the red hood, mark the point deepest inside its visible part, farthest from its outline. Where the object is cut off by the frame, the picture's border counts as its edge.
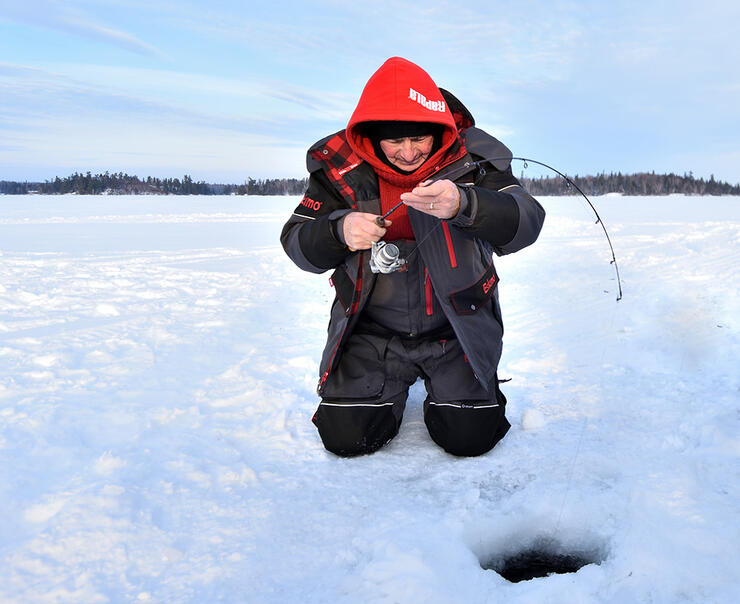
(400, 91)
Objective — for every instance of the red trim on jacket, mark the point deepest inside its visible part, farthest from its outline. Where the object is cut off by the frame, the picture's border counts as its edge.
(450, 247)
(428, 293)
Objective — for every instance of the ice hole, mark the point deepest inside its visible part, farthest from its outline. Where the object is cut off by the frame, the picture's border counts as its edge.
(543, 557)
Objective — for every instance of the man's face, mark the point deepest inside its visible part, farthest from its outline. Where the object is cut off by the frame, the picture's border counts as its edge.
(407, 153)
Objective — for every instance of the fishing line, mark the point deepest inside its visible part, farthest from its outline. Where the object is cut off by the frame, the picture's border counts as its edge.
(583, 427)
(460, 170)
(591, 205)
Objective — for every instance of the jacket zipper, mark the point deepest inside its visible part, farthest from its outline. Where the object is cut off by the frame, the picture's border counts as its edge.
(352, 310)
(358, 288)
(428, 293)
(448, 239)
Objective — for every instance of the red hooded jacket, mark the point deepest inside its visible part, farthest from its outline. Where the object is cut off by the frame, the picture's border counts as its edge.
(401, 91)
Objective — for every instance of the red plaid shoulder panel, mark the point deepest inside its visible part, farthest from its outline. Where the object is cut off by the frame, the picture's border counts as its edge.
(337, 158)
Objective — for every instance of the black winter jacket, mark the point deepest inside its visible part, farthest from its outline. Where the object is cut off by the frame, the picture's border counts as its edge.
(497, 216)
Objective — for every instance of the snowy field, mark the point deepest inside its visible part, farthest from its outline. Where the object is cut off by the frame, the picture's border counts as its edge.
(158, 357)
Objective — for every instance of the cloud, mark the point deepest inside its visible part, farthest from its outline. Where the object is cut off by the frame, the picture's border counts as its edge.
(519, 41)
(62, 17)
(146, 147)
(129, 94)
(52, 123)
(556, 77)
(110, 36)
(330, 106)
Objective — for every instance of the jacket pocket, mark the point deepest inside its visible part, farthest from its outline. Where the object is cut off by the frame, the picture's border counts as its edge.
(469, 300)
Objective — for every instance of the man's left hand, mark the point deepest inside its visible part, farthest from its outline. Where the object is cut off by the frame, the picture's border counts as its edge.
(440, 199)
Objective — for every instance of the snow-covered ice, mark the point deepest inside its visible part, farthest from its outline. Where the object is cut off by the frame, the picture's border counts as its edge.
(158, 358)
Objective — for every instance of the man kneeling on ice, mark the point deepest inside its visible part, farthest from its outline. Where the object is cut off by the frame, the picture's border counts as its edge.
(409, 225)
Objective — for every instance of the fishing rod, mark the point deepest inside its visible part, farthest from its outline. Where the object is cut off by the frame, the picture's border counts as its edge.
(466, 167)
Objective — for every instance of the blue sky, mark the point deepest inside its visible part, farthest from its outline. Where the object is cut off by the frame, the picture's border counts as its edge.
(223, 90)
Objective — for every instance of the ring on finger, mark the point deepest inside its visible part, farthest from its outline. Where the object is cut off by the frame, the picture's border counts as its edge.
(431, 205)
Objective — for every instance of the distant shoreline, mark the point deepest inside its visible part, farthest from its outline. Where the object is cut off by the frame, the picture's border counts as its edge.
(641, 183)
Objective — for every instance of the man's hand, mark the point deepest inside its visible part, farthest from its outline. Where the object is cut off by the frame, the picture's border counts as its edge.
(440, 199)
(361, 230)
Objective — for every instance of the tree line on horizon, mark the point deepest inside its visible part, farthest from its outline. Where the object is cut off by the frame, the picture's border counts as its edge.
(126, 184)
(642, 183)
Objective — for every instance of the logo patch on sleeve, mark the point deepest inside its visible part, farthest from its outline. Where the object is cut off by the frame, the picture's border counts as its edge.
(311, 204)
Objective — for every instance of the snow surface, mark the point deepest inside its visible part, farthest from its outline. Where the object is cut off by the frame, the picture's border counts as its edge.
(158, 357)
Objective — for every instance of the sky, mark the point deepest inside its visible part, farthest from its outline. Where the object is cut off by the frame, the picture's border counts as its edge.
(226, 90)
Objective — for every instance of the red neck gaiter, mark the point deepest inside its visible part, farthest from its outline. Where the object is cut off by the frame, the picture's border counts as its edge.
(391, 184)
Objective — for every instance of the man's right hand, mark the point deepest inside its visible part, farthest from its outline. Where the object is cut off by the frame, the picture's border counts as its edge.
(361, 230)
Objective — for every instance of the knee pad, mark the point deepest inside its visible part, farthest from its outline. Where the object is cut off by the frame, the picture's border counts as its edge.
(349, 429)
(466, 429)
